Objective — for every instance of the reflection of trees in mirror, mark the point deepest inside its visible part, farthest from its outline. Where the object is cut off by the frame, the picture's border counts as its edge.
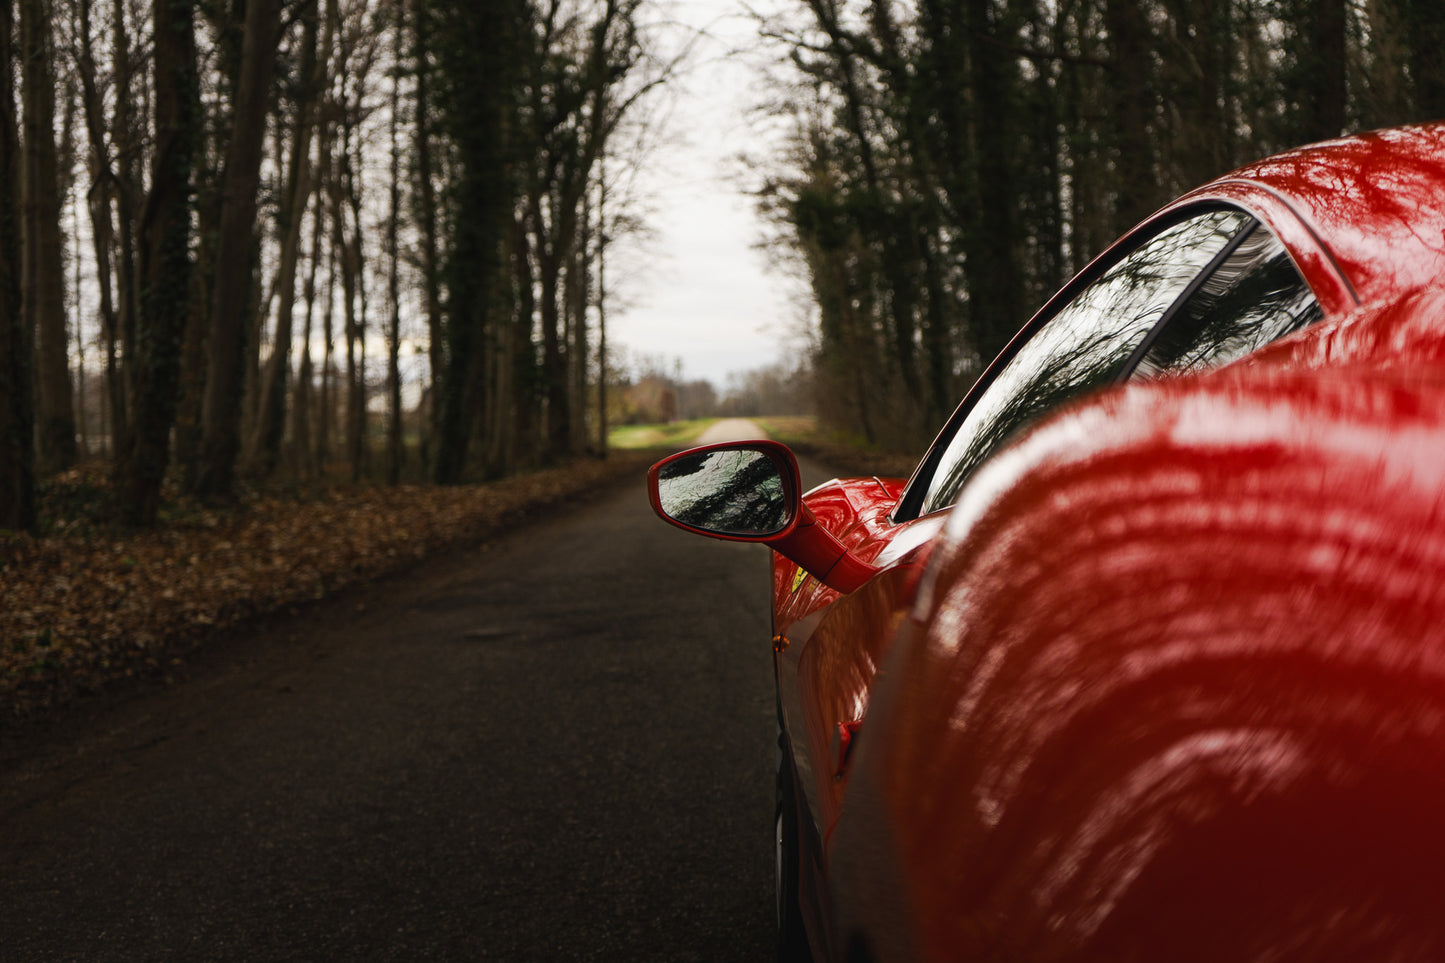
(733, 492)
(1254, 297)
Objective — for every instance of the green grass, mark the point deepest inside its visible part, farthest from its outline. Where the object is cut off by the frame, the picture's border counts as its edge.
(678, 434)
(790, 429)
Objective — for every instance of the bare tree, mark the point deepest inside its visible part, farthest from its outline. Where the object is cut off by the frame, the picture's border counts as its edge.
(233, 277)
(43, 278)
(265, 444)
(17, 458)
(396, 451)
(100, 195)
(425, 205)
(165, 230)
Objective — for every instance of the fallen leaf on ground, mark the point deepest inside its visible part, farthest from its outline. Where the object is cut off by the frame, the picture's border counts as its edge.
(86, 607)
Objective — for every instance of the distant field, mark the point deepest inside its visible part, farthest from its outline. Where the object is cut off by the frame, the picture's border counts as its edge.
(846, 455)
(674, 435)
(789, 428)
(681, 433)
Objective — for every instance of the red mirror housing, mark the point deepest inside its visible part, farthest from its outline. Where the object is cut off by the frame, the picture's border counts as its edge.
(772, 513)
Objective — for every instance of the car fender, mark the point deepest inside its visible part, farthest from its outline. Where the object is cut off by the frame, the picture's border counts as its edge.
(1178, 648)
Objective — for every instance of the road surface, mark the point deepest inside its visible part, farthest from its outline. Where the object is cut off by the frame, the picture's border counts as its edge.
(558, 746)
(730, 429)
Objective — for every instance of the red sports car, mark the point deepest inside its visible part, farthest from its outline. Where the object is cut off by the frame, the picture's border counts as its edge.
(1147, 659)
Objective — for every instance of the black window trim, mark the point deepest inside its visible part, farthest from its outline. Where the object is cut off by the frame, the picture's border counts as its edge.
(1207, 272)
(910, 503)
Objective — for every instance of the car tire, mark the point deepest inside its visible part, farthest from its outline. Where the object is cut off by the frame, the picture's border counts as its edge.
(792, 936)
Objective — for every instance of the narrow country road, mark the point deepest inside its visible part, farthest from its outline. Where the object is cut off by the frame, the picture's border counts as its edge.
(730, 429)
(558, 746)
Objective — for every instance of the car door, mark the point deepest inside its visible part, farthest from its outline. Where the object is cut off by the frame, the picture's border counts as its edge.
(1205, 287)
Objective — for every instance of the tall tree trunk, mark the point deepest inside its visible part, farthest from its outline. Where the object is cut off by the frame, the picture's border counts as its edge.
(1325, 107)
(348, 250)
(554, 361)
(353, 305)
(265, 444)
(426, 208)
(993, 284)
(189, 419)
(17, 449)
(602, 371)
(326, 409)
(1425, 28)
(262, 297)
(165, 262)
(1387, 79)
(221, 410)
(579, 284)
(102, 177)
(880, 217)
(602, 240)
(396, 452)
(480, 70)
(127, 190)
(1313, 78)
(1090, 209)
(44, 273)
(1131, 113)
(501, 406)
(77, 293)
(229, 26)
(522, 350)
(304, 457)
(1197, 55)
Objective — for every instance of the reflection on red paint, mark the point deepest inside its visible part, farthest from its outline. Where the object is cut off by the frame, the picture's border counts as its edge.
(1182, 694)
(1374, 200)
(1168, 681)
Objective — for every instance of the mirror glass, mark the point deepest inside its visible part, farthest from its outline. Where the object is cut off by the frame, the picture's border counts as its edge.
(730, 492)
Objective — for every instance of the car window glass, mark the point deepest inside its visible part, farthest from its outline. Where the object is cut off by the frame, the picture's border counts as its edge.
(1087, 344)
(1255, 296)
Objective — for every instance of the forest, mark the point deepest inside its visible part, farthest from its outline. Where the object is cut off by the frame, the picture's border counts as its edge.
(953, 162)
(242, 239)
(216, 214)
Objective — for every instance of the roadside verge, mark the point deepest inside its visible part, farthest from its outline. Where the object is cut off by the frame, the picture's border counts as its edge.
(84, 612)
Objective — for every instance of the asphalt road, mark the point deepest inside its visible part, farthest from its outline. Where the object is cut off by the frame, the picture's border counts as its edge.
(558, 746)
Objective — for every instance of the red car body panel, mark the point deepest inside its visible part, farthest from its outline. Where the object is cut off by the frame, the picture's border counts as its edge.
(1373, 200)
(1406, 332)
(1350, 211)
(831, 684)
(1349, 214)
(1025, 735)
(1187, 620)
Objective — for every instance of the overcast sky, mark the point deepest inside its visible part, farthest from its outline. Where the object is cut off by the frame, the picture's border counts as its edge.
(699, 292)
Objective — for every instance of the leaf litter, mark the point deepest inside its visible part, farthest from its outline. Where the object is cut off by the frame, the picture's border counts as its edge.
(85, 605)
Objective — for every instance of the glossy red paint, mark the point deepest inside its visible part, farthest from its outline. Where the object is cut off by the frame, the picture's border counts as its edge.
(831, 674)
(1180, 688)
(1168, 681)
(855, 511)
(832, 645)
(1375, 202)
(1360, 216)
(1407, 332)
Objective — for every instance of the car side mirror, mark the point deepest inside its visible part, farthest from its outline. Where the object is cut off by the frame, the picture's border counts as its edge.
(741, 493)
(751, 492)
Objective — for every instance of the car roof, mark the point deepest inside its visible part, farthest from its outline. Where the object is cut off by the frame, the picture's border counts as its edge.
(1364, 216)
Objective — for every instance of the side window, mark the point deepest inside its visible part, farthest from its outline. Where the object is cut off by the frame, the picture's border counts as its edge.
(1089, 342)
(1255, 296)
